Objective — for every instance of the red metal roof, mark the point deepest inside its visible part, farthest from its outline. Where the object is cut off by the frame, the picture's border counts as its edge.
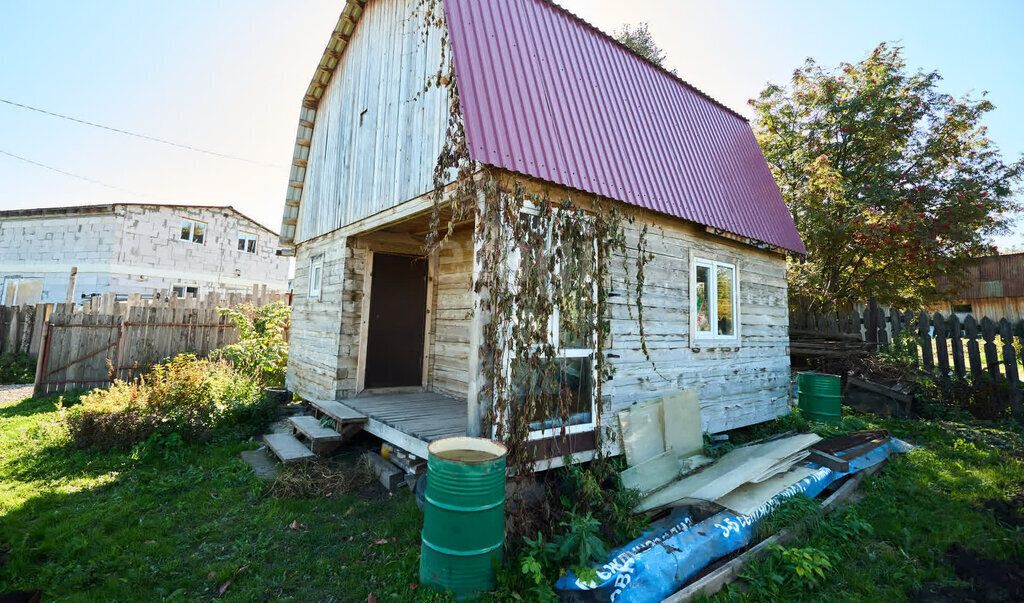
(545, 94)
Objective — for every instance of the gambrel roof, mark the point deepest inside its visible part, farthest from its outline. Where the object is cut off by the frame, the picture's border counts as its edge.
(546, 94)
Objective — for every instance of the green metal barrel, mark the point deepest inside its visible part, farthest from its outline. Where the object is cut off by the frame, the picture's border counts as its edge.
(464, 515)
(819, 396)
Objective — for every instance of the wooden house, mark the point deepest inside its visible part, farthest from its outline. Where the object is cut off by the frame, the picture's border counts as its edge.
(993, 287)
(391, 331)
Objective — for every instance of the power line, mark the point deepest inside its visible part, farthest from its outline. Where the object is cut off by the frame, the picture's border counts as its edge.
(60, 171)
(136, 135)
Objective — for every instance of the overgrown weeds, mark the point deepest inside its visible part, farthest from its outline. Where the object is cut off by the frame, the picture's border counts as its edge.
(186, 396)
(16, 367)
(585, 513)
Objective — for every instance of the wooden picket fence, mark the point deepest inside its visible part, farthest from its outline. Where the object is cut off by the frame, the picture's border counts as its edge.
(946, 346)
(88, 346)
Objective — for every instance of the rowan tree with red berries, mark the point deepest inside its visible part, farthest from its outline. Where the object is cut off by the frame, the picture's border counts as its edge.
(890, 181)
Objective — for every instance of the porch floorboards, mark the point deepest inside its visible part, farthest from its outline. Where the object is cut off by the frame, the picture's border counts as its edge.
(411, 420)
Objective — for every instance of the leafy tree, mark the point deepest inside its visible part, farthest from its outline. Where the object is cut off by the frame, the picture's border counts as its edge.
(638, 39)
(890, 181)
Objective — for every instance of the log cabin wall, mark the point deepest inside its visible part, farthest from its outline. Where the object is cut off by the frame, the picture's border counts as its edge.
(448, 354)
(739, 384)
(322, 333)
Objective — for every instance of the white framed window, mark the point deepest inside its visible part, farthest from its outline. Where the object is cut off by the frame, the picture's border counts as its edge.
(193, 231)
(247, 241)
(564, 386)
(714, 301)
(316, 275)
(183, 291)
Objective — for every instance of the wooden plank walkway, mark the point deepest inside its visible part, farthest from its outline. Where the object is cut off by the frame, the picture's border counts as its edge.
(411, 420)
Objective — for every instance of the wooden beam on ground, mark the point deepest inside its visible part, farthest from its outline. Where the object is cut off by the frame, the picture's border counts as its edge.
(825, 459)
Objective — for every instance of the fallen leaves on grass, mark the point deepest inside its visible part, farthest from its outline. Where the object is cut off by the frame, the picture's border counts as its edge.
(224, 587)
(295, 525)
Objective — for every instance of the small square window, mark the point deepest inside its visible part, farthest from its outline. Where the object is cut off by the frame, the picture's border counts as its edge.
(247, 241)
(714, 304)
(316, 275)
(194, 231)
(183, 291)
(963, 308)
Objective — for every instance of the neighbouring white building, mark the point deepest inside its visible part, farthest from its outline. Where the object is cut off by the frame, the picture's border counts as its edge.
(125, 248)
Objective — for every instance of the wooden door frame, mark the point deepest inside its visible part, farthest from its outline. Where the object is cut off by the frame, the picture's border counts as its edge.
(364, 313)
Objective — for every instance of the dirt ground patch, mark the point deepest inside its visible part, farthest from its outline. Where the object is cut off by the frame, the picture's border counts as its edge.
(10, 394)
(1008, 512)
(987, 579)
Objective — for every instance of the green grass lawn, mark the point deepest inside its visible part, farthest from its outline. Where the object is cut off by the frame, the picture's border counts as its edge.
(178, 522)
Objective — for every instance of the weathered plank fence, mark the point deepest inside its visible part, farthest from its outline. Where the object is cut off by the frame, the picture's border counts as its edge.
(88, 346)
(21, 328)
(945, 345)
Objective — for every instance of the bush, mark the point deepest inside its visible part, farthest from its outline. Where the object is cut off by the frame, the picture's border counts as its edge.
(186, 396)
(261, 350)
(16, 367)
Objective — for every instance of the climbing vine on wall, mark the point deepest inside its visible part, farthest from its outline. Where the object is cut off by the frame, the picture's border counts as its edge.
(543, 281)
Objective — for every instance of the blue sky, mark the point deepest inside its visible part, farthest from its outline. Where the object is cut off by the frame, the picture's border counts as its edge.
(228, 76)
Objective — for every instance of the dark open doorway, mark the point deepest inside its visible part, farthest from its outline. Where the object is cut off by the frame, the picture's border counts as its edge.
(394, 334)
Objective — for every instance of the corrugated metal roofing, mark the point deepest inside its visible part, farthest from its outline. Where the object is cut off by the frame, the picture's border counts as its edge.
(545, 94)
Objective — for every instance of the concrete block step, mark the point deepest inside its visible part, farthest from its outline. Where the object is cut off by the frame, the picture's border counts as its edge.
(287, 447)
(390, 477)
(314, 431)
(339, 412)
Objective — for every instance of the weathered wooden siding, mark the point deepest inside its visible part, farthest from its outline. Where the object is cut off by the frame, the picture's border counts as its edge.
(739, 384)
(377, 134)
(325, 341)
(320, 335)
(453, 310)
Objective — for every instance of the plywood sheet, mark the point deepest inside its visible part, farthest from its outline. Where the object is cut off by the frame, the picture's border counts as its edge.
(749, 497)
(782, 466)
(642, 431)
(729, 472)
(682, 423)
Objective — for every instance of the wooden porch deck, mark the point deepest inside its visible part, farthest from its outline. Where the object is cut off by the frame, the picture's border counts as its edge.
(410, 420)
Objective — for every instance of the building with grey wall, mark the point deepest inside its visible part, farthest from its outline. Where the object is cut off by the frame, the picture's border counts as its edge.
(125, 248)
